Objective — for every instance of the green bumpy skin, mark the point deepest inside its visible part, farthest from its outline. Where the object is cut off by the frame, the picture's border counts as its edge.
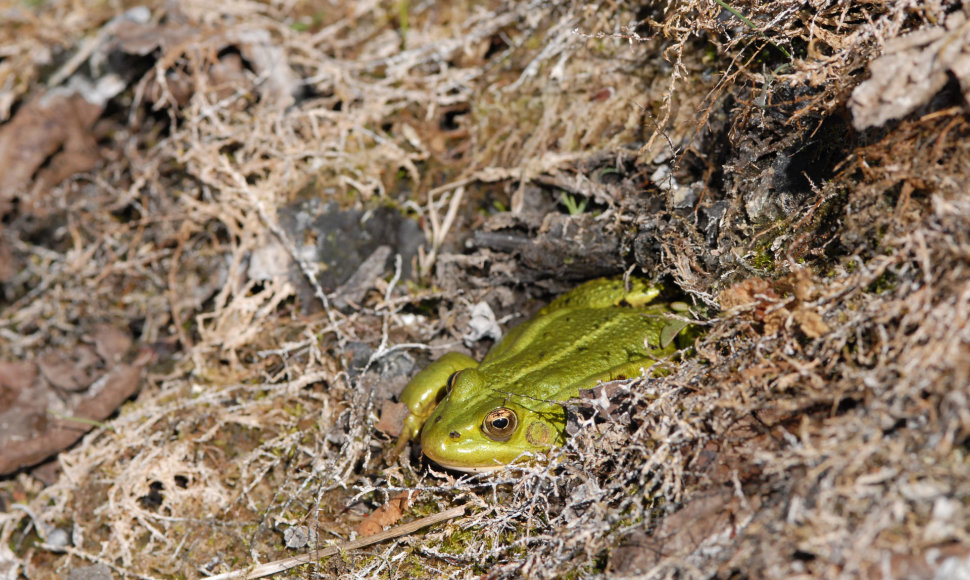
(481, 416)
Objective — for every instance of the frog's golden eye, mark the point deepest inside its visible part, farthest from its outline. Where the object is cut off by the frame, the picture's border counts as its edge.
(500, 423)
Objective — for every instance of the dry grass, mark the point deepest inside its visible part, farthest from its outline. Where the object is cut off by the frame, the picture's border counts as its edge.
(820, 430)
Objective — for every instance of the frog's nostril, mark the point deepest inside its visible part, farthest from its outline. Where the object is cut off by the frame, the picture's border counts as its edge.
(454, 435)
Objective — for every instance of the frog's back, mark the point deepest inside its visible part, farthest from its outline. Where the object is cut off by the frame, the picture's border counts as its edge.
(606, 293)
(547, 356)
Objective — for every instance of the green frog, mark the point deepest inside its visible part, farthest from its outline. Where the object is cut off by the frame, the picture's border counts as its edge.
(478, 417)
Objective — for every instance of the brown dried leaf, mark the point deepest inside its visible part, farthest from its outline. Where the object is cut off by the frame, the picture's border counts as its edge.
(757, 299)
(111, 343)
(8, 263)
(951, 561)
(810, 322)
(746, 293)
(386, 515)
(225, 75)
(392, 418)
(802, 285)
(911, 71)
(774, 321)
(53, 129)
(708, 520)
(121, 383)
(69, 371)
(353, 290)
(15, 378)
(141, 39)
(23, 402)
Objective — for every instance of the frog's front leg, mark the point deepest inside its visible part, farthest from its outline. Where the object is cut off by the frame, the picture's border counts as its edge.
(426, 389)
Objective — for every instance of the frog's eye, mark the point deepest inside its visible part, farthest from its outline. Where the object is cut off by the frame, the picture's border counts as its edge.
(500, 423)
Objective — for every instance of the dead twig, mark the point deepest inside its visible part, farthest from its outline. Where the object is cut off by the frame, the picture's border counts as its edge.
(278, 566)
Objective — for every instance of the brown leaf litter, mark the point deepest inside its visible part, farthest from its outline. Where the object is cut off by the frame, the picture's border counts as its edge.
(93, 380)
(912, 70)
(179, 175)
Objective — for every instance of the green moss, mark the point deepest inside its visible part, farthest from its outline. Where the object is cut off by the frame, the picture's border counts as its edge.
(764, 260)
(459, 540)
(888, 281)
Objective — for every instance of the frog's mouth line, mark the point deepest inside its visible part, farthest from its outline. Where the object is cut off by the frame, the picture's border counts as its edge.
(470, 468)
(464, 467)
(488, 468)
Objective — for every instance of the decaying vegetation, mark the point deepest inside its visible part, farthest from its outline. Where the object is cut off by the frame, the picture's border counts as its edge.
(264, 217)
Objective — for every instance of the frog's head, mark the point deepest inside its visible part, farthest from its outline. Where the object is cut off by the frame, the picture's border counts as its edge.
(477, 429)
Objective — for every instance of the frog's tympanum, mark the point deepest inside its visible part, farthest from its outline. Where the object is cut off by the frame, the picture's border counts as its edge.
(481, 416)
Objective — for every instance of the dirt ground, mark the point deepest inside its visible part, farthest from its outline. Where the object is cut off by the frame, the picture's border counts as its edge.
(230, 233)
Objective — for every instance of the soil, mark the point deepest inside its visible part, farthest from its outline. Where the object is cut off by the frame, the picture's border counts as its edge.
(229, 234)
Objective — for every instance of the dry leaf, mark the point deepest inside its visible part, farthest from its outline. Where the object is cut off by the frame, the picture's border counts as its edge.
(69, 370)
(15, 378)
(111, 343)
(120, 383)
(810, 322)
(386, 515)
(911, 71)
(54, 130)
(708, 520)
(392, 418)
(952, 561)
